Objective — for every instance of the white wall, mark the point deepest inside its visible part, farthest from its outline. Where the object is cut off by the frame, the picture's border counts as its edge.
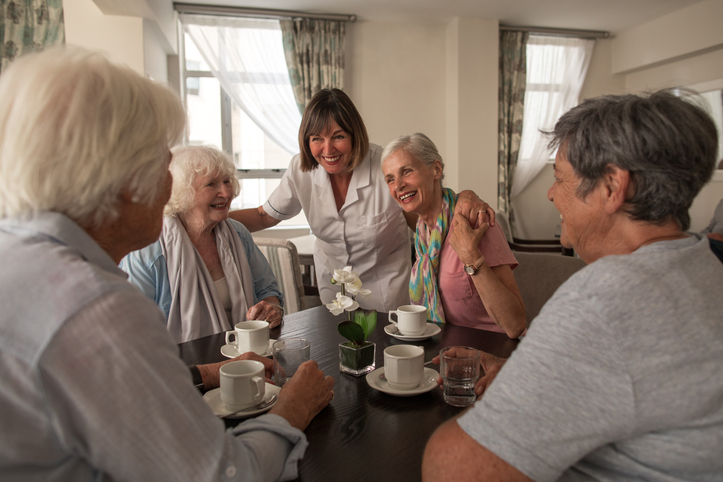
(121, 38)
(439, 79)
(139, 33)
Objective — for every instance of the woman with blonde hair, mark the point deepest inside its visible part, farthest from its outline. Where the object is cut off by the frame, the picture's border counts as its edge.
(205, 272)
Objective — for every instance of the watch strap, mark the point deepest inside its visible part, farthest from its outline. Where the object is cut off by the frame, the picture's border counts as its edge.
(471, 269)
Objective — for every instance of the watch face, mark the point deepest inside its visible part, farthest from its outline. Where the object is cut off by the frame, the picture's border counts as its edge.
(469, 270)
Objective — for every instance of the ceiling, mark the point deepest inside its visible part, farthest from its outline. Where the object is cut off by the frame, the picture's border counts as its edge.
(608, 15)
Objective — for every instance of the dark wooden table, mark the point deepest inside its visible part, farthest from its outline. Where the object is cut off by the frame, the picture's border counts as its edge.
(364, 434)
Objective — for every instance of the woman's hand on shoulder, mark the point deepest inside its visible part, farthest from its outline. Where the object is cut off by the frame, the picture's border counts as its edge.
(465, 239)
(268, 309)
(470, 205)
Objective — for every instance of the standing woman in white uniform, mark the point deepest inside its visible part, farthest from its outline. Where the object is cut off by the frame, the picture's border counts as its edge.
(355, 221)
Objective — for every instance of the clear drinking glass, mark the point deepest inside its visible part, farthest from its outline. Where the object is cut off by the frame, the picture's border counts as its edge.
(289, 353)
(460, 369)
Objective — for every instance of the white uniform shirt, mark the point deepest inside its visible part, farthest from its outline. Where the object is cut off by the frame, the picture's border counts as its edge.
(369, 233)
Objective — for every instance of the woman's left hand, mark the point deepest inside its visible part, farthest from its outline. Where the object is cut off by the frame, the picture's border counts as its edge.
(465, 239)
(268, 309)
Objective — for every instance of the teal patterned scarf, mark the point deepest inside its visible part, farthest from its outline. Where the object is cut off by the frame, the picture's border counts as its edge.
(428, 245)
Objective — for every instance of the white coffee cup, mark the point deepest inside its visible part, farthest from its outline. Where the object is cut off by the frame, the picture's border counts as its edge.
(411, 320)
(242, 384)
(404, 366)
(250, 336)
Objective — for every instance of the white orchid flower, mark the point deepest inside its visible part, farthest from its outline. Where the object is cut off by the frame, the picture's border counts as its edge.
(355, 288)
(345, 275)
(341, 304)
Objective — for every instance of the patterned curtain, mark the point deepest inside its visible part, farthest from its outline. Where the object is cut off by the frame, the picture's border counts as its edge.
(29, 26)
(513, 79)
(314, 52)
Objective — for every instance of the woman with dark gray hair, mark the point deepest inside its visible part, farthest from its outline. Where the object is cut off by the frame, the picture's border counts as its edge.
(463, 275)
(91, 385)
(619, 375)
(205, 272)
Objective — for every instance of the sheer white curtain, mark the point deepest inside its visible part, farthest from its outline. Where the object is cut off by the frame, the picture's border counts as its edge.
(247, 57)
(556, 69)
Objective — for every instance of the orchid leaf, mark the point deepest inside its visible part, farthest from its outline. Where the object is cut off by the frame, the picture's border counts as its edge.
(352, 332)
(368, 322)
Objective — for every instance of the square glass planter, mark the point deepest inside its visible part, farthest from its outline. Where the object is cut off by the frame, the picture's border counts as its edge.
(357, 360)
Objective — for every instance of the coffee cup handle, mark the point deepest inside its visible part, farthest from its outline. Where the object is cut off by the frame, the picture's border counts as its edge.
(393, 313)
(228, 337)
(259, 381)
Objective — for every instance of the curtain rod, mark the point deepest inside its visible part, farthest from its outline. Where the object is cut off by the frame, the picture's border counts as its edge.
(563, 32)
(196, 9)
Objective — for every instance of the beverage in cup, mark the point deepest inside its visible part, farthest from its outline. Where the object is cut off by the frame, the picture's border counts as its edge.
(411, 320)
(243, 384)
(250, 336)
(404, 366)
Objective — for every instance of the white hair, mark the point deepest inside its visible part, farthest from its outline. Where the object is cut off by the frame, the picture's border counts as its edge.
(419, 147)
(77, 131)
(190, 162)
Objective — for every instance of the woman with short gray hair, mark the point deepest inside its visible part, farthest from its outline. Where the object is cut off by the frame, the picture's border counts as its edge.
(664, 187)
(463, 275)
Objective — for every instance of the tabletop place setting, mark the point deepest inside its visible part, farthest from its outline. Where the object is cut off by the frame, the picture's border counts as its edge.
(250, 335)
(396, 394)
(244, 391)
(409, 323)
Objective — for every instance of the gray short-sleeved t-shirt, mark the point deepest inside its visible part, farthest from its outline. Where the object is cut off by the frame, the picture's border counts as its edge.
(620, 376)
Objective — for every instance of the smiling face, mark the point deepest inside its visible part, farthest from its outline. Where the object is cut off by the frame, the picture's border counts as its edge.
(582, 221)
(213, 194)
(414, 185)
(332, 149)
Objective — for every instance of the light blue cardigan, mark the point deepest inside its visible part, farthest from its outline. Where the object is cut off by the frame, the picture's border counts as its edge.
(147, 270)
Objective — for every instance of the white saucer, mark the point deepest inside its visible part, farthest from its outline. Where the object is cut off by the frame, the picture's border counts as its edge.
(213, 398)
(429, 382)
(432, 329)
(230, 351)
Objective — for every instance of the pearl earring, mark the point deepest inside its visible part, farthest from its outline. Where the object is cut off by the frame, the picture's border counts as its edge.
(135, 199)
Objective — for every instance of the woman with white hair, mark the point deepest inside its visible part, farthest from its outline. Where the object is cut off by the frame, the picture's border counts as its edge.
(204, 272)
(91, 385)
(463, 275)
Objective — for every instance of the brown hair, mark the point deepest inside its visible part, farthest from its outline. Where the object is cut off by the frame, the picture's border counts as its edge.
(327, 105)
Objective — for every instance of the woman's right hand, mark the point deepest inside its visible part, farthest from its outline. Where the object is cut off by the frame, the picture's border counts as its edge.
(465, 239)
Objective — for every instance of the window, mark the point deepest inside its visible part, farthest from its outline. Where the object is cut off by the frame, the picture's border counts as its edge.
(556, 69)
(216, 118)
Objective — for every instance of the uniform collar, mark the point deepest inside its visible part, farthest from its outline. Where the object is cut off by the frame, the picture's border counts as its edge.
(361, 178)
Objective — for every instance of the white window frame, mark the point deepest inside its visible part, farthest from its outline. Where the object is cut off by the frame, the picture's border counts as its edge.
(226, 109)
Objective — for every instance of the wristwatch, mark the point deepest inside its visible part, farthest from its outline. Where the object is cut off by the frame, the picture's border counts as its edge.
(471, 269)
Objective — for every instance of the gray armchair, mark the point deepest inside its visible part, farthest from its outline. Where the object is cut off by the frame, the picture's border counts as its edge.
(284, 261)
(539, 275)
